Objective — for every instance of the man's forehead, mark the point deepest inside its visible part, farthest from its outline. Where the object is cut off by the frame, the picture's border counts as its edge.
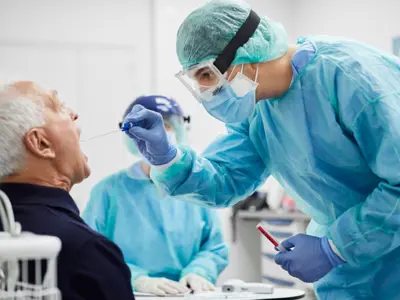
(36, 92)
(28, 88)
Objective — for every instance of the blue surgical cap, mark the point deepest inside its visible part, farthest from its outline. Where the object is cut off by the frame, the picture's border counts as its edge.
(164, 105)
(205, 33)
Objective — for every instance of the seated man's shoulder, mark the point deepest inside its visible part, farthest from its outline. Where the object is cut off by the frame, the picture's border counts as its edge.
(75, 234)
(88, 258)
(57, 221)
(90, 247)
(97, 263)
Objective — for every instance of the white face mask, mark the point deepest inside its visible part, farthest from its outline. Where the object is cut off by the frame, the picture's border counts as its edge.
(242, 85)
(172, 137)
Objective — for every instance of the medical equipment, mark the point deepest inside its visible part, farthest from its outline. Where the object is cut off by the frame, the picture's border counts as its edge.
(237, 286)
(124, 128)
(255, 202)
(270, 238)
(28, 262)
(100, 135)
(127, 125)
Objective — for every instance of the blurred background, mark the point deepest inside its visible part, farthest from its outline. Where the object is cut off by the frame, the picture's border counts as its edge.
(101, 54)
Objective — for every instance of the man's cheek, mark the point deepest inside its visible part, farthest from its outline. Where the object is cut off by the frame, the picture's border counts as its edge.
(70, 131)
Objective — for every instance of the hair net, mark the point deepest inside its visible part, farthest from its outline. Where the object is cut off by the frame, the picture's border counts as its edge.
(205, 33)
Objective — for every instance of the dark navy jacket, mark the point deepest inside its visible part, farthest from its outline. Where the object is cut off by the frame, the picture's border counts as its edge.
(90, 267)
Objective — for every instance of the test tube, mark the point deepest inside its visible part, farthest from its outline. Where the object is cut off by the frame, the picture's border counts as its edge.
(270, 238)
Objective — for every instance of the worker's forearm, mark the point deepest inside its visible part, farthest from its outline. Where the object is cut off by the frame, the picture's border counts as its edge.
(209, 180)
(369, 230)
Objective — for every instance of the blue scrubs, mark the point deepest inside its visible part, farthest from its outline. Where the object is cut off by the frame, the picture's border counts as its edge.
(159, 236)
(333, 142)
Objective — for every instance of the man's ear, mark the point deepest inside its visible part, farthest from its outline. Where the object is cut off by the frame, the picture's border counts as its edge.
(37, 143)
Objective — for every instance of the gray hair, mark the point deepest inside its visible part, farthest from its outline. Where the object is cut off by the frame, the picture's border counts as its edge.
(18, 114)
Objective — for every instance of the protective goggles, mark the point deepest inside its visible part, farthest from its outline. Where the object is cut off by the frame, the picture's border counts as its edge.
(204, 80)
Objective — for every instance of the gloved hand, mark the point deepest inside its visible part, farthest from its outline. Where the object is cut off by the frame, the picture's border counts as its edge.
(150, 136)
(197, 283)
(159, 286)
(310, 259)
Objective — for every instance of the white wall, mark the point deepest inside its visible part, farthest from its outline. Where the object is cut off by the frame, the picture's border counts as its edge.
(371, 21)
(95, 53)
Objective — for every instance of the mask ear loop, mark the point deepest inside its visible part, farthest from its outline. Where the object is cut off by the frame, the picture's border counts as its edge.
(255, 79)
(230, 75)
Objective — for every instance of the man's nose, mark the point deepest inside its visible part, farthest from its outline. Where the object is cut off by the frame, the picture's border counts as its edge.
(74, 116)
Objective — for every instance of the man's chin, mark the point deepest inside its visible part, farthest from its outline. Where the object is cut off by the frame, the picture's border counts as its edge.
(87, 174)
(87, 171)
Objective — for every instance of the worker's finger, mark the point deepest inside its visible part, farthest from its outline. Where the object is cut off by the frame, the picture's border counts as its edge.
(290, 242)
(210, 286)
(183, 281)
(140, 113)
(168, 289)
(280, 258)
(204, 287)
(196, 286)
(177, 286)
(182, 288)
(138, 132)
(158, 291)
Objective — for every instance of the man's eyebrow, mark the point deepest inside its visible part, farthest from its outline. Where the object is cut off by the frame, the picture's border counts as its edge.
(54, 94)
(54, 99)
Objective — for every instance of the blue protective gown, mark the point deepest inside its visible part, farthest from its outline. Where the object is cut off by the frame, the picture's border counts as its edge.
(159, 237)
(333, 142)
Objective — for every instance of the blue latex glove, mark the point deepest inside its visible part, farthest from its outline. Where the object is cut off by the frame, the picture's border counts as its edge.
(147, 129)
(309, 259)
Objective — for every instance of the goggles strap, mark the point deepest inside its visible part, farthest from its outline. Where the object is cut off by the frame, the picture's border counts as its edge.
(245, 32)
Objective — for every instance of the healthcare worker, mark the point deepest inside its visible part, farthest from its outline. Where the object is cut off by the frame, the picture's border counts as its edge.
(322, 117)
(168, 244)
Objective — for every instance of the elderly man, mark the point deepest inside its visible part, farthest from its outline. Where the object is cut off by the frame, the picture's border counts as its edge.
(40, 161)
